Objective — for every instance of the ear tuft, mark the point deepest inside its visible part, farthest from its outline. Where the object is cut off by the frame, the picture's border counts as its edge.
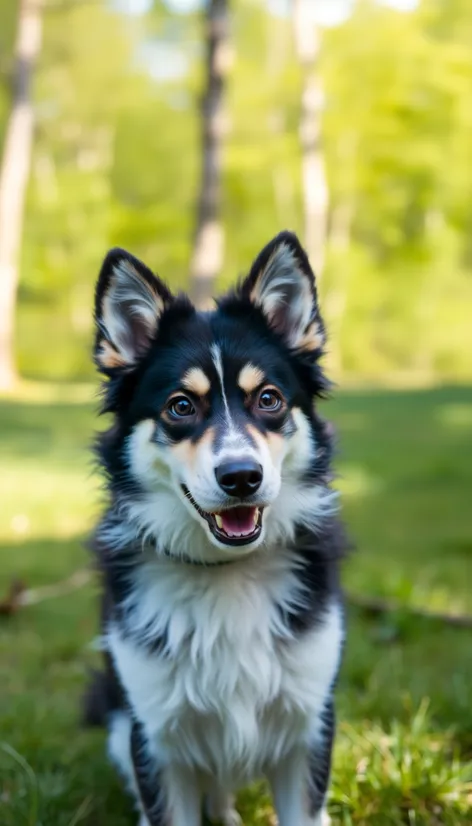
(129, 301)
(282, 284)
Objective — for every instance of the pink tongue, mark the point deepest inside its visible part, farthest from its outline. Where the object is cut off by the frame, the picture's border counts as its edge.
(238, 521)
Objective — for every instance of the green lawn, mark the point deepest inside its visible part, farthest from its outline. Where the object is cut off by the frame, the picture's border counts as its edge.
(405, 710)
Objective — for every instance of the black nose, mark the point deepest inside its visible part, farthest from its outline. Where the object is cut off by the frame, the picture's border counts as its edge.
(239, 478)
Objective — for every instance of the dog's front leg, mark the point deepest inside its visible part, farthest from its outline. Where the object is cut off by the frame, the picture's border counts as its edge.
(168, 795)
(220, 808)
(295, 802)
(300, 781)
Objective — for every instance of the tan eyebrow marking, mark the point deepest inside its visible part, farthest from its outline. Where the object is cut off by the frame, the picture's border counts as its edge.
(196, 381)
(250, 377)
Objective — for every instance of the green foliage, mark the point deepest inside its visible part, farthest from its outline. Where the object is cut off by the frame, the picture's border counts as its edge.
(7, 36)
(116, 162)
(398, 129)
(408, 774)
(405, 720)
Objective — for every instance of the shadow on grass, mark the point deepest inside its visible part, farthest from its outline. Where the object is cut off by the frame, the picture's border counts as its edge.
(408, 458)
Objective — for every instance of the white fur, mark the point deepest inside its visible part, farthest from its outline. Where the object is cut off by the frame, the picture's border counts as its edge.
(119, 746)
(235, 438)
(218, 362)
(235, 692)
(220, 809)
(289, 782)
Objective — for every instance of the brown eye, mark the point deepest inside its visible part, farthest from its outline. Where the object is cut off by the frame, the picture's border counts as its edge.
(180, 407)
(270, 400)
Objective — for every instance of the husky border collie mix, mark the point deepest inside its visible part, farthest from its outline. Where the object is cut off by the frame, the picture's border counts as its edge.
(219, 550)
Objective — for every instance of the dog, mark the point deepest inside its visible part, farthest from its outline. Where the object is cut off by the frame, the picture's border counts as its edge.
(222, 616)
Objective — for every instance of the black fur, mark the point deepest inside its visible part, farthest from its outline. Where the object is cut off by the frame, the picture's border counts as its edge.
(104, 695)
(320, 762)
(319, 575)
(148, 779)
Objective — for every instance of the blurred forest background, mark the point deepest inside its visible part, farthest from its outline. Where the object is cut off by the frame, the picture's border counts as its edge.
(116, 86)
(191, 132)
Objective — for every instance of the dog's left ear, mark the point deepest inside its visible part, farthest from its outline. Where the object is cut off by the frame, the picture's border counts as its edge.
(129, 302)
(282, 284)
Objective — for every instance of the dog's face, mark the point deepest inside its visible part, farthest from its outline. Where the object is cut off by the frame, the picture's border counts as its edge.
(216, 444)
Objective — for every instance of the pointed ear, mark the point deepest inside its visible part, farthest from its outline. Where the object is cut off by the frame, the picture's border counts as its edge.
(282, 284)
(129, 301)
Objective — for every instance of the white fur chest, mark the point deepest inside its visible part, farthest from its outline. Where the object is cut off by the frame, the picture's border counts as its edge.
(233, 690)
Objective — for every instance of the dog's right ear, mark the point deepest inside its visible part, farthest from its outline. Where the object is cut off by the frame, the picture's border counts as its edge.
(129, 302)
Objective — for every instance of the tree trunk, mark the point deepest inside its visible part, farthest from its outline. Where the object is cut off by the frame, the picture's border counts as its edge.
(208, 247)
(336, 297)
(14, 174)
(314, 183)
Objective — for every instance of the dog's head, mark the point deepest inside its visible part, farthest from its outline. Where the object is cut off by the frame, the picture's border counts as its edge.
(217, 446)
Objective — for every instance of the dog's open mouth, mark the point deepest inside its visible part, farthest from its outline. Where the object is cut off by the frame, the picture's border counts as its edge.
(233, 526)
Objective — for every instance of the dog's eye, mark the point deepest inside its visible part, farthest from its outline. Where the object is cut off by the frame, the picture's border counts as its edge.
(180, 407)
(270, 400)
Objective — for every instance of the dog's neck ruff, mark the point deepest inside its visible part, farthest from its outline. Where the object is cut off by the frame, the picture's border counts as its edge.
(188, 560)
(200, 563)
(136, 542)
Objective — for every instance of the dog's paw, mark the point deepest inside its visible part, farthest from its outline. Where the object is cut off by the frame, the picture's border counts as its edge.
(324, 819)
(221, 811)
(230, 818)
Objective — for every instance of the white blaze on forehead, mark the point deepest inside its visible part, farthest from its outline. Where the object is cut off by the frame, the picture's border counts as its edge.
(218, 362)
(196, 381)
(235, 439)
(250, 377)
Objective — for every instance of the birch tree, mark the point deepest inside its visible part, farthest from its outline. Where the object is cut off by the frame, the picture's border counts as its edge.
(314, 183)
(208, 246)
(14, 174)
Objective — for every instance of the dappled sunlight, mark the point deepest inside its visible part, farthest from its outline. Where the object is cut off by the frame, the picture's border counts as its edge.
(42, 560)
(38, 501)
(432, 596)
(52, 392)
(455, 416)
(66, 527)
(354, 422)
(355, 481)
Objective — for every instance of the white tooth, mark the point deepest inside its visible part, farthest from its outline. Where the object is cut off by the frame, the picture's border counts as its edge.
(256, 516)
(218, 520)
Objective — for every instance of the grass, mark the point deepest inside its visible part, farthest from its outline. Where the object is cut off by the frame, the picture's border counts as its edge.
(404, 744)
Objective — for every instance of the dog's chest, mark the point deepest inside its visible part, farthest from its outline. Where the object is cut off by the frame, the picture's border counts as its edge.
(232, 688)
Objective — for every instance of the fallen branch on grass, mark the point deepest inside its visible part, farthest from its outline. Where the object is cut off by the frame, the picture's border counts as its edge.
(19, 595)
(376, 607)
